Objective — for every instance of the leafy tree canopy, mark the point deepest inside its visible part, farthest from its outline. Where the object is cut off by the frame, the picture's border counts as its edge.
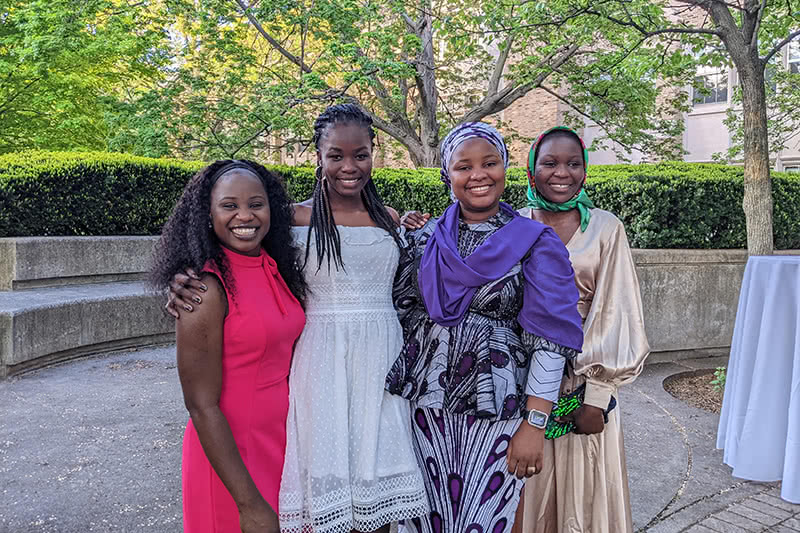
(61, 63)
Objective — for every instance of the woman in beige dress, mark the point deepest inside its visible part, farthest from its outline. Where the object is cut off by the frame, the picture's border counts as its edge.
(583, 486)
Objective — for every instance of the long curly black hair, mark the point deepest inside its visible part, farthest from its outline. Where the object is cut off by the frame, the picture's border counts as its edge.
(326, 234)
(187, 241)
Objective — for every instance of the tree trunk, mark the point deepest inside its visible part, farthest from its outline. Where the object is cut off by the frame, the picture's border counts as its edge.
(421, 154)
(757, 202)
(428, 93)
(425, 156)
(742, 45)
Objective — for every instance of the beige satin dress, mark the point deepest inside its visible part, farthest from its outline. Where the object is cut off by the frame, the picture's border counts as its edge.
(583, 487)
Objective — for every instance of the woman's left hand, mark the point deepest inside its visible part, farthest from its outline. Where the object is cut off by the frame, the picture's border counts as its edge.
(525, 451)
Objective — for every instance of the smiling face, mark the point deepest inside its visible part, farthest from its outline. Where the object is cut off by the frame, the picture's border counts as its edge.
(478, 178)
(345, 155)
(559, 171)
(240, 213)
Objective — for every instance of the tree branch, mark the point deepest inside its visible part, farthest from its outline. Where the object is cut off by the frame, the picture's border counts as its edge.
(520, 91)
(303, 37)
(249, 140)
(652, 33)
(695, 31)
(405, 137)
(410, 25)
(759, 16)
(220, 144)
(402, 130)
(730, 34)
(500, 65)
(425, 79)
(383, 97)
(19, 92)
(509, 94)
(780, 45)
(275, 44)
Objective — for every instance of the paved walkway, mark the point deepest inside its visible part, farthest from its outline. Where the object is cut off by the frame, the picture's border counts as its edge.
(677, 479)
(94, 446)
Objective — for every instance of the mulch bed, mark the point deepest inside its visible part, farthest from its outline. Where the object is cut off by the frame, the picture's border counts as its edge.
(696, 390)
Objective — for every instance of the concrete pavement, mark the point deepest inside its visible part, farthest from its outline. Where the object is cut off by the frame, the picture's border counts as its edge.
(94, 446)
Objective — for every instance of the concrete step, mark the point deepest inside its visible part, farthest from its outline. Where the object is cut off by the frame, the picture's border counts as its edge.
(46, 325)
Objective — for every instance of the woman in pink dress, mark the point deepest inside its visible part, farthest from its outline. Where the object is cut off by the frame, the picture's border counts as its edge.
(232, 224)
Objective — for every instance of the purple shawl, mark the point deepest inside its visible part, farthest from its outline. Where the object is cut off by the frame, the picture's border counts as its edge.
(448, 282)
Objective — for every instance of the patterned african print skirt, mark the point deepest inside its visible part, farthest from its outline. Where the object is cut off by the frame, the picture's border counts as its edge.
(463, 460)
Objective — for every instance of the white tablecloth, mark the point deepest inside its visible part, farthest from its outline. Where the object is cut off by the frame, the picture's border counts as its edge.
(759, 427)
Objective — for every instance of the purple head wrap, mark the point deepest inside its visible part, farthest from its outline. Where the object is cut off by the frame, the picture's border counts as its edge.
(448, 282)
(464, 132)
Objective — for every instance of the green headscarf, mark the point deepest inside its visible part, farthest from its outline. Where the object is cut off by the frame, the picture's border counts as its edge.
(581, 201)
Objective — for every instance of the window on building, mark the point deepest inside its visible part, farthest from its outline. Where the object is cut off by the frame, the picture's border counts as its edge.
(792, 168)
(710, 87)
(794, 57)
(770, 72)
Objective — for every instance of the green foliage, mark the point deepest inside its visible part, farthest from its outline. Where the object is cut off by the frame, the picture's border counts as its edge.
(719, 379)
(666, 205)
(62, 64)
(420, 67)
(783, 112)
(403, 189)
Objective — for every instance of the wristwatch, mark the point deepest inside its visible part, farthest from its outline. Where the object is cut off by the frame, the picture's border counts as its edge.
(537, 419)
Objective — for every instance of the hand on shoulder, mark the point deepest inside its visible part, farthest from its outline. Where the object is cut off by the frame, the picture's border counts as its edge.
(302, 213)
(414, 220)
(214, 304)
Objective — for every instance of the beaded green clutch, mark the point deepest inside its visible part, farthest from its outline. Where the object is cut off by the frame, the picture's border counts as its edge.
(568, 404)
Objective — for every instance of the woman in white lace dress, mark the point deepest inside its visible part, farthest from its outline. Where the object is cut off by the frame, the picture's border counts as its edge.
(349, 461)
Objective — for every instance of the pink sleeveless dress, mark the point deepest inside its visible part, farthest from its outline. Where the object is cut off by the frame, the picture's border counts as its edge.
(264, 320)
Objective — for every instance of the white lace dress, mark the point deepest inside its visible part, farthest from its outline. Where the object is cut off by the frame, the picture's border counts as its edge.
(349, 459)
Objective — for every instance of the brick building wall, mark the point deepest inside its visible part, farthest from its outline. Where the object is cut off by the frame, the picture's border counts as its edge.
(528, 117)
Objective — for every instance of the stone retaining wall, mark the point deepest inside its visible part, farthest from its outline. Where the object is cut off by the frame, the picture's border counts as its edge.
(30, 262)
(690, 299)
(62, 297)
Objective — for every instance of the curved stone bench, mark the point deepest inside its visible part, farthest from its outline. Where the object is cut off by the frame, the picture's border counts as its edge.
(64, 297)
(41, 326)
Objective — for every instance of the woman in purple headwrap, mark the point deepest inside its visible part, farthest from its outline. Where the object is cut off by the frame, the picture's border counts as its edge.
(488, 304)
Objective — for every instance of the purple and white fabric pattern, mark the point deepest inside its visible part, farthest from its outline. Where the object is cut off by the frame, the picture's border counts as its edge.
(469, 486)
(464, 132)
(488, 363)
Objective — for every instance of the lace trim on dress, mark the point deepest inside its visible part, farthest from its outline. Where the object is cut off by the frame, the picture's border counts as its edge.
(364, 507)
(350, 316)
(344, 293)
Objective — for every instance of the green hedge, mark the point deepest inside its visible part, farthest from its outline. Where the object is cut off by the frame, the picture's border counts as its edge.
(64, 193)
(666, 205)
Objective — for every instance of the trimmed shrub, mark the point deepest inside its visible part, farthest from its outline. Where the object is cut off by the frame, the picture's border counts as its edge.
(665, 205)
(63, 193)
